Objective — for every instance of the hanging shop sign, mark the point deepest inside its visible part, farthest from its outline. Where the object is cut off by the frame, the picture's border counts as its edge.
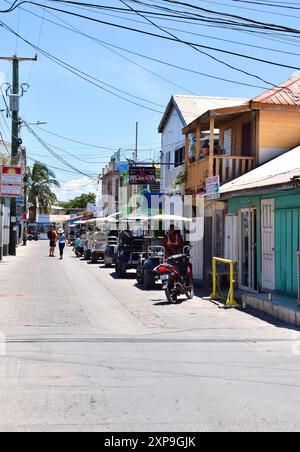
(142, 175)
(213, 187)
(11, 181)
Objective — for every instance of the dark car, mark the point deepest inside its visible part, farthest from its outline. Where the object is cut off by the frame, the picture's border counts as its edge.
(128, 252)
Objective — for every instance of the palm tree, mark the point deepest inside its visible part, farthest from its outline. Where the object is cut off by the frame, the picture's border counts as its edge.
(39, 179)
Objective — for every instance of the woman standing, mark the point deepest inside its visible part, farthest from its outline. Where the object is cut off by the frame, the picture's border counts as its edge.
(61, 243)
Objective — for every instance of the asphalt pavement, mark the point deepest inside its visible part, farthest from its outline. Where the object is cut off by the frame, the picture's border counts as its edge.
(84, 351)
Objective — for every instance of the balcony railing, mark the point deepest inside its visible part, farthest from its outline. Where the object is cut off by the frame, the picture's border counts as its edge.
(228, 167)
(231, 167)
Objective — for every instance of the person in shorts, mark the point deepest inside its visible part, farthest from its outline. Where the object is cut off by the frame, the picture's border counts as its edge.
(53, 241)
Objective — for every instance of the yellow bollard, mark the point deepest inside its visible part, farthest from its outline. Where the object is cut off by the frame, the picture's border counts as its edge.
(230, 303)
(215, 293)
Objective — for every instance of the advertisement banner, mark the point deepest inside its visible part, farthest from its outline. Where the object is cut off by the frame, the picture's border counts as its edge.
(142, 175)
(213, 187)
(11, 181)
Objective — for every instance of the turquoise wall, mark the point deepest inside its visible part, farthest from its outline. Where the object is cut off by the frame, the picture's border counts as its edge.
(287, 235)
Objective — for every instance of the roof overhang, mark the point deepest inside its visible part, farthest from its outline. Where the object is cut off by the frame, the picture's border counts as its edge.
(221, 115)
(172, 104)
(259, 190)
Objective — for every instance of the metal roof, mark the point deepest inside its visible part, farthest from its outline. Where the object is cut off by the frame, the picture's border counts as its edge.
(287, 93)
(276, 172)
(190, 108)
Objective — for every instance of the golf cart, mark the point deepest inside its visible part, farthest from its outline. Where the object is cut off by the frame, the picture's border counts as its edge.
(111, 249)
(128, 252)
(152, 258)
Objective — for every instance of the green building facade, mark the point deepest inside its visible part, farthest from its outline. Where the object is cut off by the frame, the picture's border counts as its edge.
(286, 234)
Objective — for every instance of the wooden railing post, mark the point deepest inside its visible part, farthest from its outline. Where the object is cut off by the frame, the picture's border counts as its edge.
(187, 145)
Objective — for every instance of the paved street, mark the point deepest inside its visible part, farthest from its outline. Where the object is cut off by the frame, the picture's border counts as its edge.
(88, 352)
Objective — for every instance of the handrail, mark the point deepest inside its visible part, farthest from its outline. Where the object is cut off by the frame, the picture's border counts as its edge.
(230, 303)
(234, 157)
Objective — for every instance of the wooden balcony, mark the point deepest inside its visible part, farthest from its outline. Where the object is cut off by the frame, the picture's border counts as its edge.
(228, 167)
(196, 175)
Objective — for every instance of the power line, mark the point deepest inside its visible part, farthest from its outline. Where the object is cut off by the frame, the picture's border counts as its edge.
(166, 63)
(176, 39)
(48, 148)
(191, 45)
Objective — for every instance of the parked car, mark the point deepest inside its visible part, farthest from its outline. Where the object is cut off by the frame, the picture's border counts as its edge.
(128, 252)
(146, 275)
(111, 249)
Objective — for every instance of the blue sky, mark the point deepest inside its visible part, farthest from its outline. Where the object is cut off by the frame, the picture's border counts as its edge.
(76, 109)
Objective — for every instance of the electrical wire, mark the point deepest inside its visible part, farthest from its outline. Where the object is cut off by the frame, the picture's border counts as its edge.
(175, 38)
(54, 154)
(166, 63)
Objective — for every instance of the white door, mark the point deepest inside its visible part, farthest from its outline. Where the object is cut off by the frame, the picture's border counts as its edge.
(231, 237)
(268, 244)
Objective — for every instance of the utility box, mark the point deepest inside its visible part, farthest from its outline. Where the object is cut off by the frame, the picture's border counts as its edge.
(14, 102)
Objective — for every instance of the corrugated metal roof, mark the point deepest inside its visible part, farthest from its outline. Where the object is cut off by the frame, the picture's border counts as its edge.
(288, 93)
(190, 108)
(278, 171)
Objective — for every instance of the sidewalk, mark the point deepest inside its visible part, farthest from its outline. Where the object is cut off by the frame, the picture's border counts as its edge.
(281, 307)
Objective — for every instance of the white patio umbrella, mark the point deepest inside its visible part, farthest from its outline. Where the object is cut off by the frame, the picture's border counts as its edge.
(135, 217)
(174, 218)
(80, 222)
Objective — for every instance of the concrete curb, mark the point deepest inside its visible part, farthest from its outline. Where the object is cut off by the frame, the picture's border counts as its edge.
(276, 310)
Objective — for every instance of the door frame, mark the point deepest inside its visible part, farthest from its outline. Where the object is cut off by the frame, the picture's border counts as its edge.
(252, 250)
(263, 202)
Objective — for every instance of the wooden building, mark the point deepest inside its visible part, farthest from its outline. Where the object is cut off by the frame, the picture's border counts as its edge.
(250, 135)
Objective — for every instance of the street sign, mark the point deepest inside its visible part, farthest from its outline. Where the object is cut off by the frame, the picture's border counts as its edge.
(213, 187)
(142, 175)
(11, 181)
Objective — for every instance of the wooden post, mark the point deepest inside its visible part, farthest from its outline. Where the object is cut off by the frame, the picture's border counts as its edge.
(198, 142)
(211, 146)
(187, 145)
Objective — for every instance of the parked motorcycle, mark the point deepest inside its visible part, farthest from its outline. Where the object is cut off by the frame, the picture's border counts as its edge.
(176, 275)
(33, 236)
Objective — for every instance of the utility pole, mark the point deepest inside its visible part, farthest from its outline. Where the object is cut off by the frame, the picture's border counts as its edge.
(24, 157)
(15, 140)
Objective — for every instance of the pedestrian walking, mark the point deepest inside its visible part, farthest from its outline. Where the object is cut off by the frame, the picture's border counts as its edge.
(53, 240)
(61, 243)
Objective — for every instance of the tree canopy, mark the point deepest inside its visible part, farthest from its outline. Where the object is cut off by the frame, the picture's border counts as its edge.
(80, 202)
(39, 181)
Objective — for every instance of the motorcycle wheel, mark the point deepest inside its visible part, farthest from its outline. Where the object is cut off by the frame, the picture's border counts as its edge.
(171, 294)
